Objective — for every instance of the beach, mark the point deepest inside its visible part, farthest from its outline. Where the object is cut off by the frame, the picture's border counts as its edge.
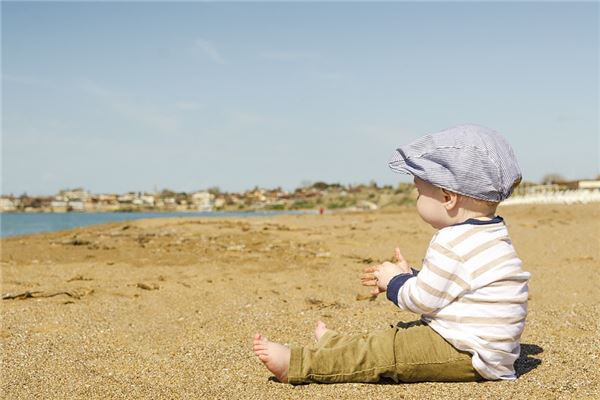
(166, 308)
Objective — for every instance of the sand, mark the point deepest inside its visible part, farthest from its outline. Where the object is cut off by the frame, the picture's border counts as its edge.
(167, 308)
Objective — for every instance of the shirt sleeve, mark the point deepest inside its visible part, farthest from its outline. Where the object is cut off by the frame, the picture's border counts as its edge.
(441, 280)
(394, 286)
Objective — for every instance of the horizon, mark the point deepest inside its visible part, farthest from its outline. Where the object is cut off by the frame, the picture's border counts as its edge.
(119, 97)
(304, 185)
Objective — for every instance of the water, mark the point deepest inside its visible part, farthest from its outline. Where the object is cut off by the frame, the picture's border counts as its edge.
(12, 224)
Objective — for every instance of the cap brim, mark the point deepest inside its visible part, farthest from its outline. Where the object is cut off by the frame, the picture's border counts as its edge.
(398, 164)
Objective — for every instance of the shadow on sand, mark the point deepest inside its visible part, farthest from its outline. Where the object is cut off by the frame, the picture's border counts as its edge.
(525, 362)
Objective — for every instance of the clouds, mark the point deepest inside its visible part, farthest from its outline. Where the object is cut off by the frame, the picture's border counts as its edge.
(27, 80)
(288, 55)
(209, 50)
(131, 108)
(319, 65)
(186, 105)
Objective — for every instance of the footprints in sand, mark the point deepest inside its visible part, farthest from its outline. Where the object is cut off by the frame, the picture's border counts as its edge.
(74, 294)
(61, 288)
(147, 286)
(113, 260)
(176, 243)
(79, 278)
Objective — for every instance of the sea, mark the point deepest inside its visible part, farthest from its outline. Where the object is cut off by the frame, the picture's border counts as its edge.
(25, 223)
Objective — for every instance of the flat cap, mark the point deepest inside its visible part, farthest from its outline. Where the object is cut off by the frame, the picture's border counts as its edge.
(469, 159)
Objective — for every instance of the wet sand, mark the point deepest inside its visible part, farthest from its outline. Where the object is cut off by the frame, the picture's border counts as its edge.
(167, 308)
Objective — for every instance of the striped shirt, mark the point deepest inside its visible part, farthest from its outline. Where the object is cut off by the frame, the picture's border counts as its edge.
(473, 292)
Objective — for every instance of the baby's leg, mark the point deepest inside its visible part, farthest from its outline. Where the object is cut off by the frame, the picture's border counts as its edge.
(339, 358)
(334, 358)
(320, 330)
(275, 356)
(325, 337)
(414, 353)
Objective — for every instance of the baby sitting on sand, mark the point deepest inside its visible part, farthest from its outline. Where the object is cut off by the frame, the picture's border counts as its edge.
(471, 291)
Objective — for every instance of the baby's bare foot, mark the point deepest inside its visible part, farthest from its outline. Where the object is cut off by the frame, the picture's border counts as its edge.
(320, 330)
(275, 356)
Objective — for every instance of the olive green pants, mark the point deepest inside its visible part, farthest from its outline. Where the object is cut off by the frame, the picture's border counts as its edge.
(408, 352)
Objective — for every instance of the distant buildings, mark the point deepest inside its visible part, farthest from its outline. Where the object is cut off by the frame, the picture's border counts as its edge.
(80, 200)
(203, 201)
(589, 185)
(317, 196)
(8, 203)
(561, 192)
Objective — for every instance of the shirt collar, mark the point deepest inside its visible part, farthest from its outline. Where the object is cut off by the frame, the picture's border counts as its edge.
(472, 221)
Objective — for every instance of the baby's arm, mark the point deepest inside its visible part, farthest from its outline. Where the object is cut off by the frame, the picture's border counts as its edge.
(379, 276)
(429, 291)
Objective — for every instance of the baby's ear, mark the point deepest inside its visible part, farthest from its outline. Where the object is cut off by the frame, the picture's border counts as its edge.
(450, 199)
(447, 194)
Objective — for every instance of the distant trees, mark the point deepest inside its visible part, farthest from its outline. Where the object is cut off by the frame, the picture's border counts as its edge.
(549, 179)
(324, 185)
(166, 193)
(214, 190)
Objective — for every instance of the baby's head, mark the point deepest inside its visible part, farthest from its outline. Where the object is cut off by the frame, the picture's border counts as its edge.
(460, 173)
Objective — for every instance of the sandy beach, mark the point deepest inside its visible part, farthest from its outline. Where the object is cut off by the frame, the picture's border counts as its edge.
(166, 308)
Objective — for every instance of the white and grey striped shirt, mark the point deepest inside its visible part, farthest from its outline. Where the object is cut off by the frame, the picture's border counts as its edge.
(473, 292)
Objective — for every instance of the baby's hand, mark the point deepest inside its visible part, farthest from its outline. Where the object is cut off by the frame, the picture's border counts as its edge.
(368, 279)
(381, 275)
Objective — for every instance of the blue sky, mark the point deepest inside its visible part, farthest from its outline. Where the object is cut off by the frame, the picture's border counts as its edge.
(115, 97)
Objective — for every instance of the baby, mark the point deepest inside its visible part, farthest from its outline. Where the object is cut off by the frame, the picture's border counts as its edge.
(471, 291)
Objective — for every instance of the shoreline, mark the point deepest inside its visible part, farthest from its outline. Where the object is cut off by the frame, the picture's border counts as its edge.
(52, 222)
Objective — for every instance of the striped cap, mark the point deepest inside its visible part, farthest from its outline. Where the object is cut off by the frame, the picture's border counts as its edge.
(471, 160)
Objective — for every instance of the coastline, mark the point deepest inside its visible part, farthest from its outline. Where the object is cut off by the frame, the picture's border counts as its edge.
(24, 223)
